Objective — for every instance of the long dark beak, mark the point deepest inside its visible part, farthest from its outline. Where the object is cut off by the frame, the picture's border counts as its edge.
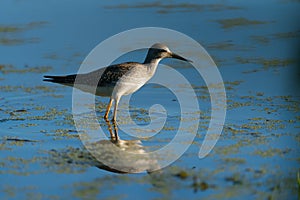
(174, 55)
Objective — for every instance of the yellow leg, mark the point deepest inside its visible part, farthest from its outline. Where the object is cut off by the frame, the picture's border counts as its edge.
(108, 109)
(116, 132)
(113, 133)
(115, 111)
(112, 136)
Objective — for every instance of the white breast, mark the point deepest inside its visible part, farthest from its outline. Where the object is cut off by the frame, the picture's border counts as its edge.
(132, 81)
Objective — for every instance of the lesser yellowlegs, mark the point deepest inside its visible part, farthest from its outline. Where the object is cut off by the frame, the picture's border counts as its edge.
(120, 79)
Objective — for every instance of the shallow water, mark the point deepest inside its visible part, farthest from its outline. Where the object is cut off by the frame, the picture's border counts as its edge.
(256, 48)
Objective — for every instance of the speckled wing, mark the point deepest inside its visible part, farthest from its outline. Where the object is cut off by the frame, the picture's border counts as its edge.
(113, 73)
(109, 76)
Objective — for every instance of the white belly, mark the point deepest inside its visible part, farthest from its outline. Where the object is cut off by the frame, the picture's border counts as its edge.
(131, 82)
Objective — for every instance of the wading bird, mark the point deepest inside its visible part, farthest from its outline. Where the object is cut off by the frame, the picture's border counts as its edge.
(119, 79)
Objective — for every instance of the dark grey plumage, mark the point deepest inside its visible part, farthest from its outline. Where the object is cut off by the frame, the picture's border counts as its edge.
(109, 76)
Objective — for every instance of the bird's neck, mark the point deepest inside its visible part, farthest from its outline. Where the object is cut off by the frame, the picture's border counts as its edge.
(150, 59)
(152, 64)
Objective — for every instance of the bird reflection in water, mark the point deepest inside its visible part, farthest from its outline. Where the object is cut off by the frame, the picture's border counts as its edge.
(121, 156)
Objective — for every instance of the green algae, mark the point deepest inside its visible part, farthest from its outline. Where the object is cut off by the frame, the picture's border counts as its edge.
(10, 34)
(69, 160)
(275, 62)
(4, 146)
(228, 46)
(30, 192)
(272, 152)
(6, 69)
(17, 41)
(52, 56)
(9, 29)
(20, 28)
(64, 133)
(235, 160)
(91, 190)
(10, 41)
(260, 39)
(231, 85)
(31, 90)
(182, 174)
(164, 8)
(222, 46)
(20, 166)
(287, 35)
(238, 22)
(266, 64)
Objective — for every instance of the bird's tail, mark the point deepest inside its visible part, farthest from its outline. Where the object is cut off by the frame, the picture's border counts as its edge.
(64, 80)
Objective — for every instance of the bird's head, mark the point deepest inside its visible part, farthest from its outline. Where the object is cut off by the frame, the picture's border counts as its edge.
(160, 51)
